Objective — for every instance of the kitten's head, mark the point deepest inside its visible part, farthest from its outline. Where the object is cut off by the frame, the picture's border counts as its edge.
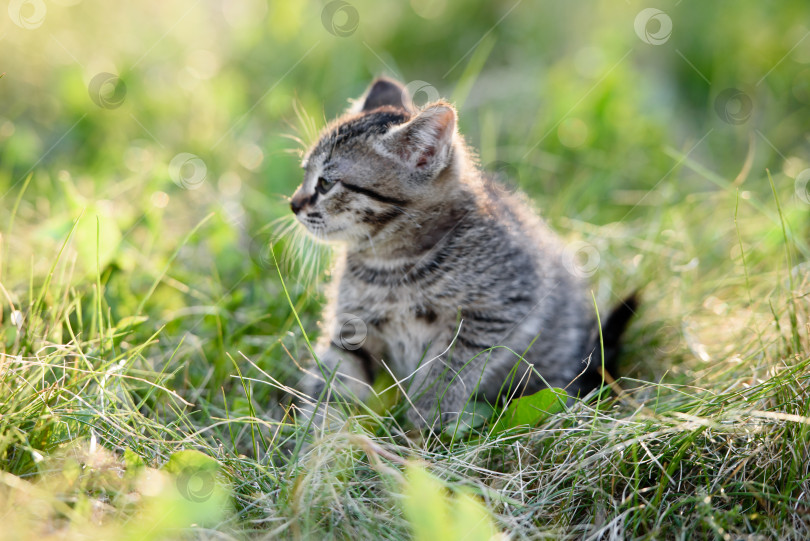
(374, 163)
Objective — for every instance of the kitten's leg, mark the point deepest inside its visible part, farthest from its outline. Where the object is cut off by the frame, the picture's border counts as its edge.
(347, 366)
(442, 386)
(343, 369)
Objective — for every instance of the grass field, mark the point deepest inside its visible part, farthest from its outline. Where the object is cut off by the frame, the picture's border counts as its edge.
(153, 314)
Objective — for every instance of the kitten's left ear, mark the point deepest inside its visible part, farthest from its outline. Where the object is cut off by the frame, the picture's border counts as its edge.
(425, 143)
(383, 91)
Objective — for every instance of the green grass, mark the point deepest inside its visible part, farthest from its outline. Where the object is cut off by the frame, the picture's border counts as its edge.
(143, 316)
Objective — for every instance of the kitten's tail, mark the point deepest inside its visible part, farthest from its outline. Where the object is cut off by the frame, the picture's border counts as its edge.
(612, 330)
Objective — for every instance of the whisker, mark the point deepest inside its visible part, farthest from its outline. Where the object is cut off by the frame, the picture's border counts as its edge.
(295, 139)
(283, 197)
(274, 224)
(307, 122)
(291, 253)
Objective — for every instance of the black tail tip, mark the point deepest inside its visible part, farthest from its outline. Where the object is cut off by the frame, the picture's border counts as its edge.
(621, 315)
(612, 330)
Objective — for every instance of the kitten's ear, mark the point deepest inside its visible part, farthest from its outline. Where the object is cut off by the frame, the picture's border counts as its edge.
(383, 91)
(425, 143)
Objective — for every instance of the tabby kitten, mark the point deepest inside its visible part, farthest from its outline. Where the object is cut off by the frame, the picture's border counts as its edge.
(444, 276)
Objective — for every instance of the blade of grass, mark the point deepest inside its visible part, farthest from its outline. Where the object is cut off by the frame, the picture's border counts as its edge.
(794, 322)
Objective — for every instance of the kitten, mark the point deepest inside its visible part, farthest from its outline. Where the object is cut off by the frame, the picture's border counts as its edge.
(445, 276)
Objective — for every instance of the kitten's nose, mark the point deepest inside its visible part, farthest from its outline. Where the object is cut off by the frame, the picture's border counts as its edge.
(296, 204)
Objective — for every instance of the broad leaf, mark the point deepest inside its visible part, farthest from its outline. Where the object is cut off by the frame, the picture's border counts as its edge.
(531, 410)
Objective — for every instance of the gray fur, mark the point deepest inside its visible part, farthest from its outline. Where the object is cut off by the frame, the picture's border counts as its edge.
(439, 263)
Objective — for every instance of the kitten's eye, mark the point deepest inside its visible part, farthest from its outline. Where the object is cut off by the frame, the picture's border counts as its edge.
(324, 185)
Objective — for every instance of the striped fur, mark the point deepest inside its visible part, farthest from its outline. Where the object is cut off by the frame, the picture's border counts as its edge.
(439, 264)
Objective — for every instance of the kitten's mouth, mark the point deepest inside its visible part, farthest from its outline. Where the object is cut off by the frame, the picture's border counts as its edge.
(314, 226)
(311, 219)
(317, 226)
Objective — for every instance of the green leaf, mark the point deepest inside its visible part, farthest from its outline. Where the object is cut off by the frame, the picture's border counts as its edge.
(435, 513)
(472, 520)
(199, 493)
(426, 506)
(132, 459)
(531, 410)
(190, 458)
(382, 400)
(134, 463)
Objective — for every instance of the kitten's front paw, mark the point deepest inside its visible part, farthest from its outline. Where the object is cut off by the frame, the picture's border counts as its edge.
(434, 421)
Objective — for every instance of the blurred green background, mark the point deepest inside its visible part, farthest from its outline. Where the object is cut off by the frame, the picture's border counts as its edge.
(604, 113)
(647, 121)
